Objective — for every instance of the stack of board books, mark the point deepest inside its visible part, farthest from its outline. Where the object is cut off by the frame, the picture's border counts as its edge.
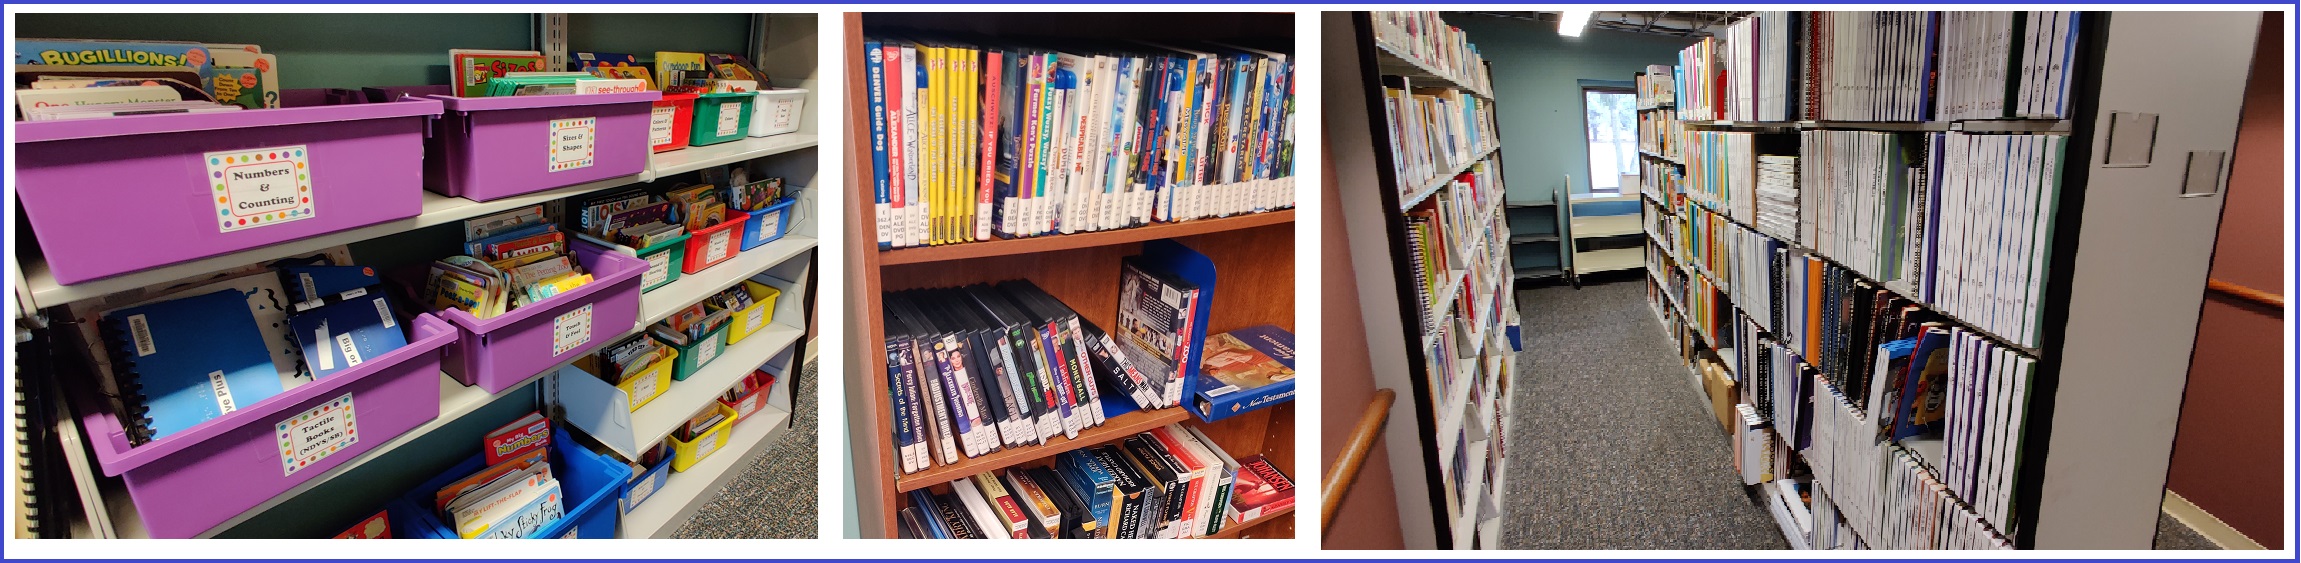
(59, 79)
(976, 141)
(515, 495)
(511, 259)
(1170, 482)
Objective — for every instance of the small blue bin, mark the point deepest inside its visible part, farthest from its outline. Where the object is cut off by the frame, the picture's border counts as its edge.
(768, 224)
(647, 484)
(591, 485)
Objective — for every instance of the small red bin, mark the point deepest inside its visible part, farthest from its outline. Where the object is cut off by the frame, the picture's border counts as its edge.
(667, 123)
(709, 246)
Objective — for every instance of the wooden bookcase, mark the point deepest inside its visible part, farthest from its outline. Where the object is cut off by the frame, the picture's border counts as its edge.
(1254, 255)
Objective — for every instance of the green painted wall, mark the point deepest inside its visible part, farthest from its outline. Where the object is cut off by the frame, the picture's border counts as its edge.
(355, 50)
(1540, 104)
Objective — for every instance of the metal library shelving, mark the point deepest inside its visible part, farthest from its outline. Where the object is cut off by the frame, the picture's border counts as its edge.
(1448, 337)
(784, 46)
(2152, 122)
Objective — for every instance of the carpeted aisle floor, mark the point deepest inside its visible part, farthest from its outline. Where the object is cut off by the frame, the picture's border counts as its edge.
(1619, 449)
(775, 497)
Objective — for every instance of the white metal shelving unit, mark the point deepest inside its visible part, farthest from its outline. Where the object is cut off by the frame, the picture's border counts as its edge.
(785, 47)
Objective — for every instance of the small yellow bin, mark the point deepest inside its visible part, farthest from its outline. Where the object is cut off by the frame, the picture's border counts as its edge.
(644, 386)
(686, 454)
(756, 317)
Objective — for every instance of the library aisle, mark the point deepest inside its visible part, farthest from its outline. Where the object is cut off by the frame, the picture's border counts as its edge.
(1890, 299)
(1630, 459)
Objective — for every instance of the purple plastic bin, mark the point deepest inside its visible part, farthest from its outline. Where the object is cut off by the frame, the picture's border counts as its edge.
(493, 148)
(193, 480)
(394, 93)
(151, 173)
(499, 352)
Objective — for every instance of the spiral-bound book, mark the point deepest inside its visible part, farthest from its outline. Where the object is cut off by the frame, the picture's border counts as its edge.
(189, 360)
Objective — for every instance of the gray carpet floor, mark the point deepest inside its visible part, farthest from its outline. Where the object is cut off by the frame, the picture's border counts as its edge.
(1621, 451)
(775, 497)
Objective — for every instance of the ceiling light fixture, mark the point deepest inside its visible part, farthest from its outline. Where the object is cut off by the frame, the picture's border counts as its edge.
(1570, 24)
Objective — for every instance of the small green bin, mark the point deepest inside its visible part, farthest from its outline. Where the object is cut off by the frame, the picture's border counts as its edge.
(720, 118)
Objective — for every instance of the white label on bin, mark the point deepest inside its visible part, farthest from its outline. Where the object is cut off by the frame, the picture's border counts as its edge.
(260, 187)
(757, 316)
(313, 435)
(641, 490)
(571, 142)
(706, 351)
(730, 118)
(769, 223)
(643, 389)
(718, 249)
(658, 270)
(710, 444)
(783, 114)
(659, 125)
(749, 405)
(571, 330)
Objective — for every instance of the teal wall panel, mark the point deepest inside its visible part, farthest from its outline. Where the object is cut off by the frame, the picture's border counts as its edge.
(316, 50)
(1538, 94)
(355, 50)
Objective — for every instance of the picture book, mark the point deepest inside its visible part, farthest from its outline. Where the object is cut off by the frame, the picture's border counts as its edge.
(734, 67)
(489, 478)
(584, 61)
(29, 101)
(190, 83)
(97, 52)
(672, 66)
(377, 527)
(527, 435)
(518, 510)
(473, 68)
(239, 59)
(189, 360)
(344, 335)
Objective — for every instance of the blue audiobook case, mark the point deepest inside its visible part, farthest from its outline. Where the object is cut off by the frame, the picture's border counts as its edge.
(340, 335)
(190, 360)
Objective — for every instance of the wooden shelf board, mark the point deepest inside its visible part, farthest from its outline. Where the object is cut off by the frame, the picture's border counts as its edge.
(1004, 247)
(1116, 428)
(1232, 531)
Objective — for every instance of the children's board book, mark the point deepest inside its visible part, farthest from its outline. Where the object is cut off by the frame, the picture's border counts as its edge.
(612, 65)
(92, 52)
(668, 65)
(472, 68)
(247, 57)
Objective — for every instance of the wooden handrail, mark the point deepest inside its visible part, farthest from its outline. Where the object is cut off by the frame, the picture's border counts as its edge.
(1345, 469)
(2260, 297)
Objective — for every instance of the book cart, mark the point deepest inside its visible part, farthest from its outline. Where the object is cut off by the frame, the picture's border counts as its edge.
(2151, 119)
(1442, 318)
(1253, 253)
(437, 437)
